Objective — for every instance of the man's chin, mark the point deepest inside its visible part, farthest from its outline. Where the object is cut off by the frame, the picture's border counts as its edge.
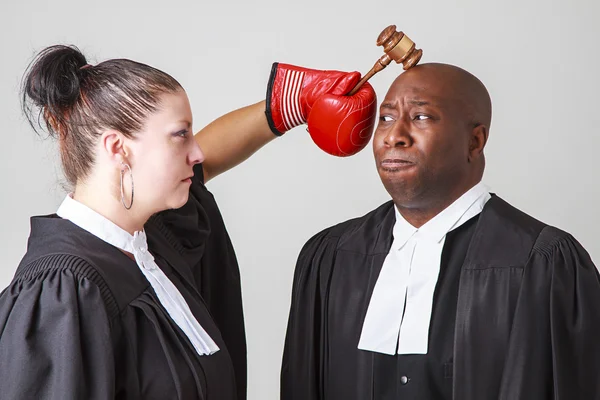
(399, 179)
(400, 188)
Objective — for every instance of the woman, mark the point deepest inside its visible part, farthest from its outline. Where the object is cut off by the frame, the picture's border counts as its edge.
(132, 289)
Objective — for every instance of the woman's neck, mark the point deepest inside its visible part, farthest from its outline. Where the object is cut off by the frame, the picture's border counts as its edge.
(108, 204)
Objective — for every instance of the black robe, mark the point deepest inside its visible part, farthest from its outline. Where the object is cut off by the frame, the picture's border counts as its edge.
(527, 312)
(80, 321)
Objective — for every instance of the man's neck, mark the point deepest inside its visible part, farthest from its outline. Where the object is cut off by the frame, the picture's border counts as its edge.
(418, 217)
(419, 214)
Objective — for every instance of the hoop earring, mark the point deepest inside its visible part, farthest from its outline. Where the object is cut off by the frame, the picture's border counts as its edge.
(123, 190)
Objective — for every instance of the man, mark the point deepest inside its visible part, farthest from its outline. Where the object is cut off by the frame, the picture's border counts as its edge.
(447, 291)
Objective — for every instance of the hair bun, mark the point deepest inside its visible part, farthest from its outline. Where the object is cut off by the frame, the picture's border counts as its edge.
(52, 79)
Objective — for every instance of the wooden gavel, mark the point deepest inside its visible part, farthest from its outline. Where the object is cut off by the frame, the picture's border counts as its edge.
(398, 47)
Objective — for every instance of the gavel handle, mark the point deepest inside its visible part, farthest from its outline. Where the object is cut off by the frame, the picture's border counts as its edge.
(379, 65)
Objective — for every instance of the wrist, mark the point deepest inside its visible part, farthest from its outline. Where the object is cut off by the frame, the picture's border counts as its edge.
(283, 103)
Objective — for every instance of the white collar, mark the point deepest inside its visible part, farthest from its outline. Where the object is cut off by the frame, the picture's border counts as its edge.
(437, 227)
(399, 312)
(136, 244)
(96, 224)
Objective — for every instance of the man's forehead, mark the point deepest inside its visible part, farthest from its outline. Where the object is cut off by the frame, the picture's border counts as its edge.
(425, 85)
(413, 95)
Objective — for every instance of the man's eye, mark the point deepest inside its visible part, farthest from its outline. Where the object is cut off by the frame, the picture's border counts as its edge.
(386, 118)
(421, 117)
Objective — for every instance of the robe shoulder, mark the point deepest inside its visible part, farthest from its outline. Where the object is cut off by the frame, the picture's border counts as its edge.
(360, 234)
(49, 266)
(55, 331)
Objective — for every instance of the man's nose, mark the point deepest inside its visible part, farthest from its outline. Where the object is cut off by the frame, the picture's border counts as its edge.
(398, 135)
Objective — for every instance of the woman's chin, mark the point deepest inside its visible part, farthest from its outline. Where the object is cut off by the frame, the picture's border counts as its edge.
(178, 202)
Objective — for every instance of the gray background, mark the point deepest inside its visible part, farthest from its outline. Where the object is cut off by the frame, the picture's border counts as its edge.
(538, 58)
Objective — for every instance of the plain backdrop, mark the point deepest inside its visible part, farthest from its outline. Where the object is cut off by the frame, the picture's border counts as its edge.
(538, 58)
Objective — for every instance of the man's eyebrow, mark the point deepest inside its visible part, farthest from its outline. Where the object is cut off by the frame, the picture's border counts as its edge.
(412, 102)
(419, 102)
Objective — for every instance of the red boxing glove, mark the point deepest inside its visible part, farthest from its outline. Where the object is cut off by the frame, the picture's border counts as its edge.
(340, 125)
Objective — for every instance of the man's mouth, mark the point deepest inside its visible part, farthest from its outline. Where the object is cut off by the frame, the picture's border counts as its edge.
(395, 164)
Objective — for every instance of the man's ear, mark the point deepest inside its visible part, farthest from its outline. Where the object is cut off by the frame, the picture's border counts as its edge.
(478, 139)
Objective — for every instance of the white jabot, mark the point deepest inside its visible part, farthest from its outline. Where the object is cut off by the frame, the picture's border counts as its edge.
(167, 293)
(399, 312)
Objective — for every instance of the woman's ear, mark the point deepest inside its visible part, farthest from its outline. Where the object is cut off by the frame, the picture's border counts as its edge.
(114, 146)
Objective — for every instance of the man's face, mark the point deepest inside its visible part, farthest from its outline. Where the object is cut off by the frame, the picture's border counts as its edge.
(421, 144)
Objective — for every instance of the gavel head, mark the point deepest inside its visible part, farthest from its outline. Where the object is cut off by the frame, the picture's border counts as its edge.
(399, 47)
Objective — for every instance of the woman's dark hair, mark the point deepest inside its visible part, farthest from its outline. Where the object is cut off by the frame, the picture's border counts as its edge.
(76, 102)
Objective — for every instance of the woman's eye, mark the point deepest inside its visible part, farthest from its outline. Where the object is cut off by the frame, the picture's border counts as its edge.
(386, 118)
(182, 133)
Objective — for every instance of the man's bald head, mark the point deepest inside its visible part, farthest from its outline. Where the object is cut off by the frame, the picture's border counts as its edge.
(455, 83)
(434, 123)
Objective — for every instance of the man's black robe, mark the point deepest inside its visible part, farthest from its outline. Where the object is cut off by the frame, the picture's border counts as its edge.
(527, 314)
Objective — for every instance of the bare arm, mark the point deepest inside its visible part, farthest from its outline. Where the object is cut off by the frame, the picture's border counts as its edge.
(233, 138)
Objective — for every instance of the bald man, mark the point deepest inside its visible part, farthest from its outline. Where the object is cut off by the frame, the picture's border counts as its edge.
(446, 291)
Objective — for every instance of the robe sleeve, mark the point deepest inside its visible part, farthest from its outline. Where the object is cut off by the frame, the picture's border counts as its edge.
(555, 348)
(55, 341)
(303, 358)
(217, 275)
(197, 234)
